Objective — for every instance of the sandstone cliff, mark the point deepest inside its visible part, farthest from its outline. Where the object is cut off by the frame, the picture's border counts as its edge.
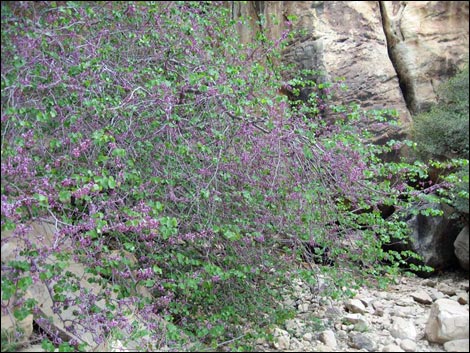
(392, 54)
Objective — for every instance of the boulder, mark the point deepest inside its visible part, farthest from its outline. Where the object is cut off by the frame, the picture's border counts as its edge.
(447, 321)
(432, 237)
(461, 248)
(457, 345)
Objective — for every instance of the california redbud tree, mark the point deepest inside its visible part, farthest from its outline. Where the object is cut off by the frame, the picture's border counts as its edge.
(162, 153)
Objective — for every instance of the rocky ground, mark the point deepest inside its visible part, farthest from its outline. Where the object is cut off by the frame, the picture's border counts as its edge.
(398, 319)
(412, 315)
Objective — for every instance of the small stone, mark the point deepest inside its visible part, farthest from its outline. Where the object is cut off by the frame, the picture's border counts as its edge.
(282, 339)
(361, 341)
(361, 326)
(429, 283)
(308, 337)
(295, 326)
(328, 338)
(403, 311)
(353, 318)
(422, 297)
(407, 301)
(435, 294)
(392, 348)
(355, 306)
(342, 335)
(462, 299)
(303, 308)
(379, 312)
(402, 328)
(408, 345)
(320, 347)
(295, 345)
(260, 341)
(446, 289)
(332, 312)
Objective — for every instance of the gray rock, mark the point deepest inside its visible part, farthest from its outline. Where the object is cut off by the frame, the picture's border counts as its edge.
(303, 308)
(408, 345)
(20, 331)
(457, 345)
(353, 318)
(295, 345)
(432, 237)
(328, 338)
(446, 289)
(281, 339)
(402, 328)
(361, 341)
(295, 326)
(429, 282)
(435, 294)
(462, 298)
(461, 248)
(448, 321)
(392, 348)
(308, 337)
(422, 297)
(355, 306)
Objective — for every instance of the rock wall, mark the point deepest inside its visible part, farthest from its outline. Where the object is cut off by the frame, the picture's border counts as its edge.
(392, 54)
(428, 43)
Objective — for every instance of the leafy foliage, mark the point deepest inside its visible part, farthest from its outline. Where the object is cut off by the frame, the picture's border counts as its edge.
(443, 131)
(443, 134)
(149, 129)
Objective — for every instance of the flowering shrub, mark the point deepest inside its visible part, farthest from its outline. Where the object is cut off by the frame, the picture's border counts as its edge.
(149, 129)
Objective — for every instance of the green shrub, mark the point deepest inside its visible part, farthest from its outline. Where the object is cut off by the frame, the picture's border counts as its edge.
(443, 134)
(443, 131)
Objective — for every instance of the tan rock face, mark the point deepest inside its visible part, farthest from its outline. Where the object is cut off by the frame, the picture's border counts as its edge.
(428, 42)
(392, 54)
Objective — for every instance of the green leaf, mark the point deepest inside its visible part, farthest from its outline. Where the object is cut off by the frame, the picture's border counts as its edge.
(111, 182)
(47, 345)
(232, 236)
(21, 313)
(129, 246)
(43, 200)
(157, 270)
(66, 347)
(64, 196)
(149, 283)
(24, 283)
(119, 152)
(8, 289)
(19, 265)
